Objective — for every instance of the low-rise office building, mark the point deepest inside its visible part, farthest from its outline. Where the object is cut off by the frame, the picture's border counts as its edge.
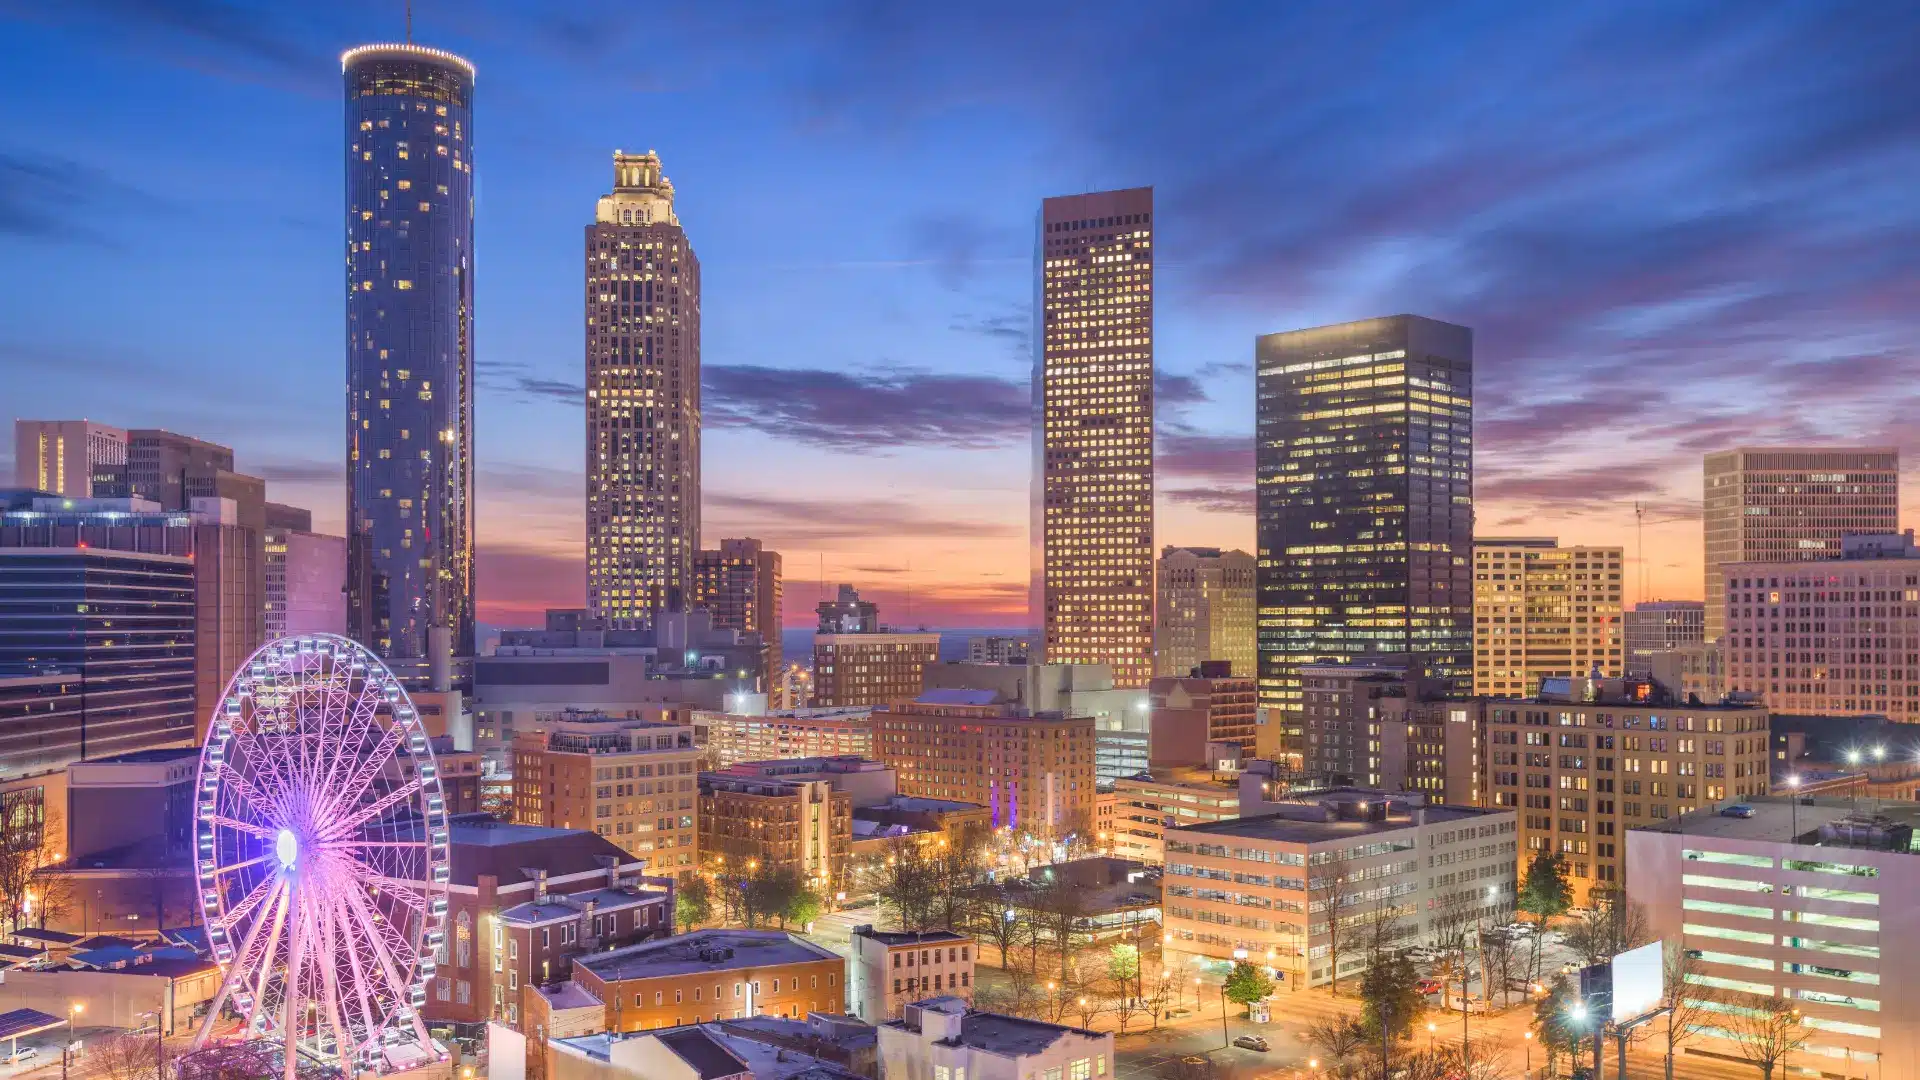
(1805, 900)
(790, 820)
(1146, 806)
(1207, 705)
(890, 969)
(730, 738)
(1260, 888)
(712, 974)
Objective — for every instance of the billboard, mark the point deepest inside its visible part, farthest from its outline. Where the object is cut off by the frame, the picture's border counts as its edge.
(1639, 982)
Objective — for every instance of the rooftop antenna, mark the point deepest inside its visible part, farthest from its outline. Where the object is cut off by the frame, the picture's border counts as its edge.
(409, 22)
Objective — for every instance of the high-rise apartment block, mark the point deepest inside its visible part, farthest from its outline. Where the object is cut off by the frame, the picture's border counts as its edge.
(1657, 626)
(870, 669)
(739, 584)
(643, 399)
(1092, 525)
(410, 387)
(75, 458)
(1791, 504)
(1205, 610)
(1542, 611)
(1836, 637)
(631, 781)
(1364, 506)
(1038, 770)
(1587, 762)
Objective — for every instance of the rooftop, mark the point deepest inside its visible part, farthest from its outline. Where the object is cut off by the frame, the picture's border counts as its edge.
(707, 950)
(957, 696)
(1007, 1036)
(567, 995)
(1810, 821)
(1291, 828)
(703, 1053)
(142, 757)
(894, 939)
(569, 905)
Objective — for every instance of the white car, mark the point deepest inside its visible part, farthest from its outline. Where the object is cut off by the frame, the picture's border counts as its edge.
(27, 1053)
(1521, 929)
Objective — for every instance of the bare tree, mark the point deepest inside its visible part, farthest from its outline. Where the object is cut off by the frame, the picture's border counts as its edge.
(1611, 926)
(1687, 1003)
(909, 884)
(1157, 994)
(957, 867)
(1453, 967)
(1340, 1040)
(1329, 892)
(1060, 919)
(123, 1056)
(1500, 964)
(1765, 1032)
(22, 848)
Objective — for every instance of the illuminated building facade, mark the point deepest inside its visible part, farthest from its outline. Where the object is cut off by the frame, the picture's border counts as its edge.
(1790, 504)
(1205, 610)
(1659, 626)
(643, 400)
(871, 669)
(75, 458)
(410, 349)
(739, 584)
(1542, 611)
(1364, 471)
(1093, 439)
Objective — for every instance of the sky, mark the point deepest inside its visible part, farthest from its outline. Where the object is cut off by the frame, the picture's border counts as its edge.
(1672, 227)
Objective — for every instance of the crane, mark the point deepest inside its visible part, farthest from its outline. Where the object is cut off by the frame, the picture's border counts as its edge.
(1640, 522)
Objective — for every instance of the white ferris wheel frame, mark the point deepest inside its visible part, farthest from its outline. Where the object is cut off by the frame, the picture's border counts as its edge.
(318, 852)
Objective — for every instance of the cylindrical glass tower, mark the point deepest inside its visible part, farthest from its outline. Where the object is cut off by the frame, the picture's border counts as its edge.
(409, 349)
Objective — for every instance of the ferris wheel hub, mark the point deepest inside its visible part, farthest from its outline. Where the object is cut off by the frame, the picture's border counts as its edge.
(287, 847)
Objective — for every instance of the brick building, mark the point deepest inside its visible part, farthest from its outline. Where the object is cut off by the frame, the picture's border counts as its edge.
(712, 974)
(631, 781)
(1029, 771)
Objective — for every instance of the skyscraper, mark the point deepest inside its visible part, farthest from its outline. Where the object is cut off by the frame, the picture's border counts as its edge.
(1364, 507)
(76, 458)
(410, 349)
(1542, 611)
(643, 399)
(1791, 503)
(1092, 525)
(1204, 611)
(739, 584)
(1658, 626)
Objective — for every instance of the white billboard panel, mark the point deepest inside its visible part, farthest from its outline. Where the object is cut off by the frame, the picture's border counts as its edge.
(1639, 982)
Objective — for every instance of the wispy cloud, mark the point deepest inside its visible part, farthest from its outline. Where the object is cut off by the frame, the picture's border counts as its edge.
(873, 411)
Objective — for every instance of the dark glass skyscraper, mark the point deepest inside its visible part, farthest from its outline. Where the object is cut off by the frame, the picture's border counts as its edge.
(410, 348)
(1364, 466)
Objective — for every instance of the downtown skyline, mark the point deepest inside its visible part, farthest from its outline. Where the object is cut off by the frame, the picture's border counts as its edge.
(865, 338)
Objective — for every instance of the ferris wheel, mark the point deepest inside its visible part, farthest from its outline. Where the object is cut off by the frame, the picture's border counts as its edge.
(322, 853)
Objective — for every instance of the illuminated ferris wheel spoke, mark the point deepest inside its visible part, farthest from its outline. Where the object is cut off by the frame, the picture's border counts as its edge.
(317, 810)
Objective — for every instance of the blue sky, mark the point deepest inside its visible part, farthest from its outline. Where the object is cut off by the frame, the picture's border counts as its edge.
(1673, 227)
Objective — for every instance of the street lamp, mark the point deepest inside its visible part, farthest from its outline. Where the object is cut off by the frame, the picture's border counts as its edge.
(1432, 1030)
(1529, 1037)
(1793, 803)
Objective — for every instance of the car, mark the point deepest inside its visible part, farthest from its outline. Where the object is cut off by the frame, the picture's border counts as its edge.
(1521, 929)
(1427, 986)
(1251, 1042)
(27, 1053)
(1740, 810)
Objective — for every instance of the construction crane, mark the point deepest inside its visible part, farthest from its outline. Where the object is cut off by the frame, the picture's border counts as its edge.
(1640, 522)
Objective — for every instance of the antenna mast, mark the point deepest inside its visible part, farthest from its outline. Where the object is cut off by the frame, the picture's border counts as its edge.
(409, 22)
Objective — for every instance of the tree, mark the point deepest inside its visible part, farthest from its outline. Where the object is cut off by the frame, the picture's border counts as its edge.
(22, 848)
(1688, 1004)
(996, 920)
(1328, 892)
(1158, 994)
(1544, 895)
(124, 1056)
(771, 891)
(1247, 984)
(1390, 989)
(1453, 967)
(1560, 1019)
(803, 908)
(693, 903)
(1613, 925)
(1060, 920)
(1123, 964)
(1765, 1031)
(1499, 963)
(908, 884)
(1339, 1039)
(957, 867)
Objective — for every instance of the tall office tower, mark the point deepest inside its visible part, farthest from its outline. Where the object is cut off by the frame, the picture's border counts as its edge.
(410, 349)
(1789, 504)
(739, 583)
(1658, 626)
(1092, 525)
(1542, 611)
(172, 469)
(306, 575)
(643, 399)
(76, 458)
(1204, 610)
(1364, 507)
